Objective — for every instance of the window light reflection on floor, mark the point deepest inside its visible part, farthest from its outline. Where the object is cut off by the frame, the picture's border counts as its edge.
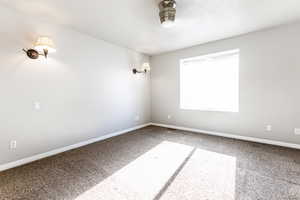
(144, 178)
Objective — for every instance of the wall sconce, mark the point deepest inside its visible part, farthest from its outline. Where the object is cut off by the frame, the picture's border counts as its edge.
(44, 45)
(144, 69)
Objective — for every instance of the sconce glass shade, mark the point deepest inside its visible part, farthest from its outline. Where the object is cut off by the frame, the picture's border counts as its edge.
(146, 67)
(44, 43)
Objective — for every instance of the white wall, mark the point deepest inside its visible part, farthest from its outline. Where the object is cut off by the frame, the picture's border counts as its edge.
(86, 89)
(269, 86)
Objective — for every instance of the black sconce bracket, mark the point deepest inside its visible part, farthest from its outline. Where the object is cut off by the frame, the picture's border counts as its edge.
(135, 71)
(34, 54)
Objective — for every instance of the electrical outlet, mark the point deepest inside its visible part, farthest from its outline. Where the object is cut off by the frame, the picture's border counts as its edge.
(269, 128)
(37, 105)
(297, 131)
(13, 144)
(137, 118)
(169, 116)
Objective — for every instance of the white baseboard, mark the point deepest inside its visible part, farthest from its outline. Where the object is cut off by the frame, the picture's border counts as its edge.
(228, 135)
(74, 146)
(63, 149)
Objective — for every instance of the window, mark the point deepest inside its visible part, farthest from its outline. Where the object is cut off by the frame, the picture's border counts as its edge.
(210, 82)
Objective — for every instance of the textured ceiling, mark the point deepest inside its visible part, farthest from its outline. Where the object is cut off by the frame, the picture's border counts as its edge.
(135, 23)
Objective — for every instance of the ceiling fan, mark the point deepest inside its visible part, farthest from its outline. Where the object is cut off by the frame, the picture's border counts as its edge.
(167, 12)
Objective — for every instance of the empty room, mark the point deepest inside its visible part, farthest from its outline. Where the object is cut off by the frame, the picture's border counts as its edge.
(150, 100)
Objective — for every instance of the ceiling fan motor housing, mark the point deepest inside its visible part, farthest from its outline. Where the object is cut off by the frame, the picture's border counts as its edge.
(167, 10)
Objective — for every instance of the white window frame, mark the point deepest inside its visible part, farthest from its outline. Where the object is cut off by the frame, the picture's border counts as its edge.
(206, 57)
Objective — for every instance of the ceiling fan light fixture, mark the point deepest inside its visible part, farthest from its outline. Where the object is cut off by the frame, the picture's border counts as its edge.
(167, 12)
(168, 23)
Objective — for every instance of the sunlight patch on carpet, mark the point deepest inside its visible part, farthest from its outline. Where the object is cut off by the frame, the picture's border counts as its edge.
(144, 177)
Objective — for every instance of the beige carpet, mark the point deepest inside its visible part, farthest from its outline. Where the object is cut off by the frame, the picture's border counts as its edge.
(159, 163)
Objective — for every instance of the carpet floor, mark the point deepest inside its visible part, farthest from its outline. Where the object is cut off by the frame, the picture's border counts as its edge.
(158, 163)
